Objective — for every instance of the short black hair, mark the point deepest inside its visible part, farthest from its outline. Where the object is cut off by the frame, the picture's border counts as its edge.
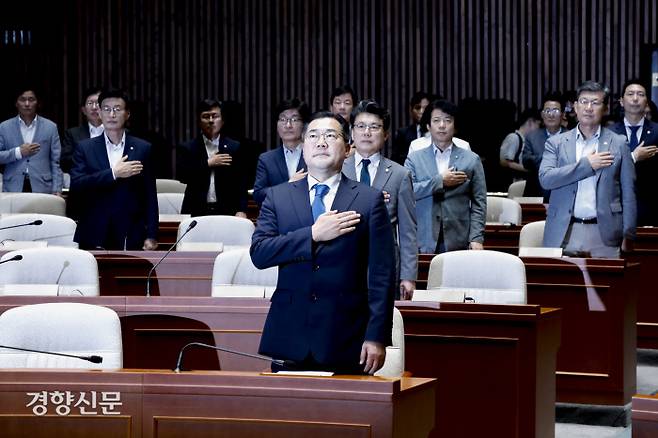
(343, 89)
(296, 104)
(441, 104)
(634, 81)
(115, 93)
(90, 91)
(345, 127)
(528, 114)
(594, 87)
(22, 88)
(418, 97)
(553, 96)
(371, 106)
(206, 105)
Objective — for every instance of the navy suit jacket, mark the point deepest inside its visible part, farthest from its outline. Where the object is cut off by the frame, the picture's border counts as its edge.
(271, 171)
(71, 138)
(330, 296)
(646, 175)
(402, 141)
(194, 171)
(125, 208)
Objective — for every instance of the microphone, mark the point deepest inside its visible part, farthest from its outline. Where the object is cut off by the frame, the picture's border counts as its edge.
(15, 258)
(36, 222)
(92, 359)
(179, 362)
(148, 277)
(59, 277)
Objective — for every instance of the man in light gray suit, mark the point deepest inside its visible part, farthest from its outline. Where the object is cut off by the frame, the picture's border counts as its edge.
(449, 186)
(371, 125)
(30, 149)
(590, 173)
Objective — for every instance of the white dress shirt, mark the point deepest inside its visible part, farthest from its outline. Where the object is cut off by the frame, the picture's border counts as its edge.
(95, 131)
(212, 147)
(114, 151)
(27, 132)
(328, 199)
(426, 141)
(585, 205)
(375, 159)
(442, 158)
(292, 157)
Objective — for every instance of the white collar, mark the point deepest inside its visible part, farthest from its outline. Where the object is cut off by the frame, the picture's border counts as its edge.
(332, 181)
(374, 158)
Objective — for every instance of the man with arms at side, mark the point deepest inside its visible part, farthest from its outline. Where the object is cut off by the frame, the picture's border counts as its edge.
(210, 165)
(285, 163)
(404, 136)
(30, 149)
(370, 130)
(92, 127)
(112, 176)
(551, 115)
(449, 186)
(331, 238)
(590, 173)
(642, 135)
(514, 143)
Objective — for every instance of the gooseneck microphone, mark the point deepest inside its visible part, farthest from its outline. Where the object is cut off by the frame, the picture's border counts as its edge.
(15, 258)
(179, 362)
(27, 224)
(93, 358)
(148, 277)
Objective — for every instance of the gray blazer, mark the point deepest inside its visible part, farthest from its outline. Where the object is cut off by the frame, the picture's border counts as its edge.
(396, 180)
(43, 167)
(616, 208)
(459, 211)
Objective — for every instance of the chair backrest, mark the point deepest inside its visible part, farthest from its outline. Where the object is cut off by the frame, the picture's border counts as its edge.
(229, 230)
(169, 186)
(489, 277)
(32, 203)
(75, 271)
(532, 235)
(71, 328)
(234, 275)
(503, 210)
(394, 362)
(170, 203)
(55, 230)
(516, 189)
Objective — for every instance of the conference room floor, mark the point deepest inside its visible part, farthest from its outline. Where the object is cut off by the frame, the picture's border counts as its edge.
(647, 383)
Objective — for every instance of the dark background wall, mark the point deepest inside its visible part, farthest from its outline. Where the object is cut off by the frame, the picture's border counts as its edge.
(171, 53)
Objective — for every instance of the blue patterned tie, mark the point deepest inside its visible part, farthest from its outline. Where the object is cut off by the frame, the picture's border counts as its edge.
(318, 206)
(365, 175)
(632, 142)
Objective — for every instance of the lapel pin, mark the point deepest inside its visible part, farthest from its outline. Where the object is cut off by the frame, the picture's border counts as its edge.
(387, 169)
(131, 148)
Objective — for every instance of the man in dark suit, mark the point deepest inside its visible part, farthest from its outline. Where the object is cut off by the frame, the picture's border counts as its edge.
(112, 176)
(642, 135)
(92, 127)
(404, 136)
(332, 240)
(210, 165)
(285, 163)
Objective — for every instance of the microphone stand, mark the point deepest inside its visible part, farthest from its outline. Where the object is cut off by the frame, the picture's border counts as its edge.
(93, 358)
(148, 277)
(179, 362)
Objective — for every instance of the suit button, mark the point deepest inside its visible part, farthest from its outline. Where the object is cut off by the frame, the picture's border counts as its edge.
(316, 268)
(314, 297)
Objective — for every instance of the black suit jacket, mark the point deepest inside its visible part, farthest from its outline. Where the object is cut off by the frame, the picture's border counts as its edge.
(330, 296)
(401, 141)
(71, 138)
(272, 170)
(647, 175)
(194, 171)
(115, 214)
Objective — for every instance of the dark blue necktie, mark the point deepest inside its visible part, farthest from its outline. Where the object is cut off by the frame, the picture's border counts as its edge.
(365, 175)
(318, 206)
(632, 142)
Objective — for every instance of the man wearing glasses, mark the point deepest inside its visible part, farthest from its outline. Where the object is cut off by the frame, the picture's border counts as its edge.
(112, 176)
(92, 127)
(332, 241)
(590, 173)
(210, 165)
(30, 149)
(551, 116)
(370, 130)
(285, 163)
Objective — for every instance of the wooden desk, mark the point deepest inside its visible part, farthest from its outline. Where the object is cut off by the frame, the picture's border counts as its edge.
(646, 255)
(218, 404)
(644, 412)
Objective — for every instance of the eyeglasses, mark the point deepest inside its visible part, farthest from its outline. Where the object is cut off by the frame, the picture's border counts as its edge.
(586, 102)
(292, 120)
(92, 104)
(109, 109)
(330, 137)
(551, 111)
(211, 117)
(374, 128)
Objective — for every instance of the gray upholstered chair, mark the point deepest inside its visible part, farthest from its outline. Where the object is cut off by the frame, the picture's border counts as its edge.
(52, 229)
(226, 231)
(503, 211)
(32, 203)
(234, 275)
(516, 189)
(169, 186)
(394, 362)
